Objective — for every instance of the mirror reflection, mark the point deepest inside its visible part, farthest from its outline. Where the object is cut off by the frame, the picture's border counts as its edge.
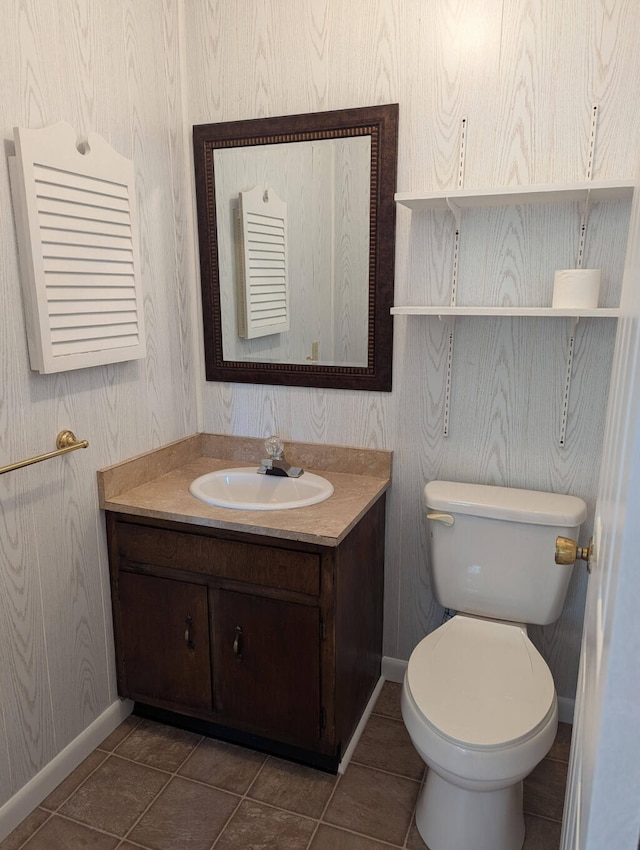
(310, 269)
(296, 221)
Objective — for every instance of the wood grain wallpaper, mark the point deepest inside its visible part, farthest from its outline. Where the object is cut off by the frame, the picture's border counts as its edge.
(525, 75)
(112, 68)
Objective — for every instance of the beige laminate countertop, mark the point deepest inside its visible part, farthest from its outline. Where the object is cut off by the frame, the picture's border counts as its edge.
(156, 484)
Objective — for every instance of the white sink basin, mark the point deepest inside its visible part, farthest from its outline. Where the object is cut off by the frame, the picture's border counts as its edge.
(243, 488)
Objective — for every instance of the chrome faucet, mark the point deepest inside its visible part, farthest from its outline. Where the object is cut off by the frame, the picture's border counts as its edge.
(275, 464)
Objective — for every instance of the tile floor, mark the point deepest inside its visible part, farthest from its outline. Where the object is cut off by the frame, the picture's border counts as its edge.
(158, 788)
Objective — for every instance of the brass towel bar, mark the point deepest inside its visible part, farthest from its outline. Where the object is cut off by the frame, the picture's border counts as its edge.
(65, 442)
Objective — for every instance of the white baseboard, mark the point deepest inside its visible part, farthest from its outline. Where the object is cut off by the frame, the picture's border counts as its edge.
(353, 743)
(566, 707)
(16, 809)
(393, 669)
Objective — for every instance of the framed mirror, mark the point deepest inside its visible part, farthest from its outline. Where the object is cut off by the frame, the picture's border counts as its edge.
(296, 226)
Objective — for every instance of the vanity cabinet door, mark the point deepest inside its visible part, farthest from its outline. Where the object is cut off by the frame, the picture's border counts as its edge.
(163, 636)
(267, 666)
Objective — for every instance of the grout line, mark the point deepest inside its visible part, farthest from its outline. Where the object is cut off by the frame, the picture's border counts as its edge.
(90, 826)
(364, 835)
(170, 775)
(152, 801)
(243, 797)
(113, 754)
(391, 772)
(556, 760)
(326, 806)
(56, 810)
(46, 820)
(413, 813)
(541, 817)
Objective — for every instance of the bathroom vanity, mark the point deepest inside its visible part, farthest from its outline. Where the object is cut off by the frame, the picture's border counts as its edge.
(259, 627)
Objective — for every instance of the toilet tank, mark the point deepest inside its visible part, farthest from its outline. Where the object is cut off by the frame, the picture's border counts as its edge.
(497, 558)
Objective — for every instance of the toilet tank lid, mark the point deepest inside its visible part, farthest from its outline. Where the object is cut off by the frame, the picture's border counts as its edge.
(505, 503)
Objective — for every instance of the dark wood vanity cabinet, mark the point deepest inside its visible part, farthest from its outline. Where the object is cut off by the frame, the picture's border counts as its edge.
(258, 640)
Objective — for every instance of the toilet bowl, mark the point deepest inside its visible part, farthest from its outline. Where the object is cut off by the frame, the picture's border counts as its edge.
(478, 699)
(479, 704)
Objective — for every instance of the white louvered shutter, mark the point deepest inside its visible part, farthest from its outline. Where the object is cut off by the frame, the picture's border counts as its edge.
(78, 243)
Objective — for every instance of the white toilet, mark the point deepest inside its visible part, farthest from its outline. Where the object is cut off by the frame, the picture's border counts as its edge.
(478, 699)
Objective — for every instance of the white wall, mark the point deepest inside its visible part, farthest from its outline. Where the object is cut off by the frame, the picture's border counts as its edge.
(525, 75)
(113, 68)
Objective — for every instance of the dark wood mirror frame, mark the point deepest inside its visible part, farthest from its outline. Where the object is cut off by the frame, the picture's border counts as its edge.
(381, 123)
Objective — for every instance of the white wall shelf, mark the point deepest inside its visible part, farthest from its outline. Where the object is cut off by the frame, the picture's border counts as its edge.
(456, 200)
(596, 190)
(418, 310)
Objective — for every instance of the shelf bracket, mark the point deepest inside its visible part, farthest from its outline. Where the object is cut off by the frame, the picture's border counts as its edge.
(448, 377)
(463, 148)
(454, 268)
(591, 152)
(573, 324)
(455, 209)
(583, 230)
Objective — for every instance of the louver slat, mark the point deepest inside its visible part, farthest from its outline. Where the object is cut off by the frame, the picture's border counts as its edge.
(77, 235)
(261, 251)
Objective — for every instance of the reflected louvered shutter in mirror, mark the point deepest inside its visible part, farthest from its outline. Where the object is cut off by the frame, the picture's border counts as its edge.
(261, 256)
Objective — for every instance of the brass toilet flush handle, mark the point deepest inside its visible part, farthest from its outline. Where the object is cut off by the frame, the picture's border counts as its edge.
(568, 552)
(445, 519)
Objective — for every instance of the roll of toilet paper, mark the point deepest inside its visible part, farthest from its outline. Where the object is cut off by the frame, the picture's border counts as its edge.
(576, 288)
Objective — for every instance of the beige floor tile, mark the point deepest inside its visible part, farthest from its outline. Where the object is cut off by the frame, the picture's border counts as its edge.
(332, 838)
(293, 787)
(544, 789)
(74, 780)
(386, 745)
(223, 765)
(541, 834)
(24, 830)
(158, 746)
(115, 795)
(388, 703)
(186, 815)
(370, 809)
(61, 834)
(375, 804)
(258, 827)
(118, 735)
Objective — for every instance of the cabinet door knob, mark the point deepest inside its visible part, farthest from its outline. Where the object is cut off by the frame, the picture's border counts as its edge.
(237, 644)
(188, 621)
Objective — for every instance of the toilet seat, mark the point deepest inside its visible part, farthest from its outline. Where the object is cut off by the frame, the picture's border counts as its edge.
(481, 684)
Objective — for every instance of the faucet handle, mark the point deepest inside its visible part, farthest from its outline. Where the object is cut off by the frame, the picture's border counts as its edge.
(274, 447)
